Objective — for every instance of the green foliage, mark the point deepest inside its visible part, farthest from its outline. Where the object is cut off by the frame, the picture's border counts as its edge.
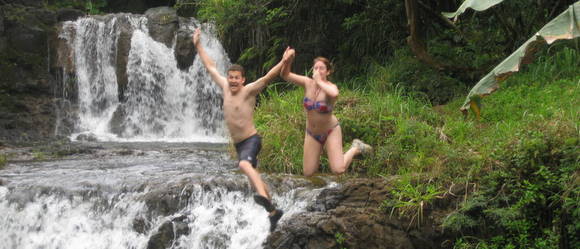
(244, 27)
(39, 155)
(526, 202)
(410, 198)
(409, 73)
(92, 7)
(523, 155)
(340, 239)
(279, 119)
(3, 160)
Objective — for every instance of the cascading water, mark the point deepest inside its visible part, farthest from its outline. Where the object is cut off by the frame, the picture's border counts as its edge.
(148, 198)
(158, 102)
(132, 194)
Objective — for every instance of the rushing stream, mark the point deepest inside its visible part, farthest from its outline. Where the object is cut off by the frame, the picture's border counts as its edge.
(123, 199)
(162, 177)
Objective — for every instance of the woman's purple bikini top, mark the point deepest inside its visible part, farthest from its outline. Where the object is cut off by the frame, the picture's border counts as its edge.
(319, 106)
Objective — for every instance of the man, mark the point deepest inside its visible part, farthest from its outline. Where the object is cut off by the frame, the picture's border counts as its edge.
(238, 106)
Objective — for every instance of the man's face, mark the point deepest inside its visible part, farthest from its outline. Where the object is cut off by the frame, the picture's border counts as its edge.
(235, 81)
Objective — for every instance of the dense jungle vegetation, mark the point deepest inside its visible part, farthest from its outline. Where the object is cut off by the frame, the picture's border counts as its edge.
(404, 71)
(518, 165)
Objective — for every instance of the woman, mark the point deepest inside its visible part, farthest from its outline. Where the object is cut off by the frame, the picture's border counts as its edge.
(322, 127)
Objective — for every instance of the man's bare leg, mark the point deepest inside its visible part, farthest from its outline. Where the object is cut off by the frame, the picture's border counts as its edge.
(254, 178)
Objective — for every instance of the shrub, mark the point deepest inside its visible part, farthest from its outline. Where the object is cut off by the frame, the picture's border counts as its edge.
(528, 201)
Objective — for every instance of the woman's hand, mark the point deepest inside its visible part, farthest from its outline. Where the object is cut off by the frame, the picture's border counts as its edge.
(316, 75)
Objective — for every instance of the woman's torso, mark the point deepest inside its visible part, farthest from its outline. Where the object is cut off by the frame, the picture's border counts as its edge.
(319, 108)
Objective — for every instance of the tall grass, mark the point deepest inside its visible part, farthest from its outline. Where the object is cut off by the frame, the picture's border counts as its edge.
(409, 135)
(527, 141)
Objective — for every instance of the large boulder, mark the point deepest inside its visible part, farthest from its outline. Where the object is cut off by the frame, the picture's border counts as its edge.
(184, 49)
(350, 217)
(162, 24)
(168, 233)
(123, 49)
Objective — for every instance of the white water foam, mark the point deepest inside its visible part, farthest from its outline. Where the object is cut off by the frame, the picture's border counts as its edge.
(161, 102)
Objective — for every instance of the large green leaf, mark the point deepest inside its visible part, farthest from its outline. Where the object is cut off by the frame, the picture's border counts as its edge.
(479, 5)
(565, 26)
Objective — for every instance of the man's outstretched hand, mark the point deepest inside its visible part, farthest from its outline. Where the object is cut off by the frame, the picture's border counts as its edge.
(288, 54)
(196, 36)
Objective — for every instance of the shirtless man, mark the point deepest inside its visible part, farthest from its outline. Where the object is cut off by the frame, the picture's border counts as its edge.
(238, 106)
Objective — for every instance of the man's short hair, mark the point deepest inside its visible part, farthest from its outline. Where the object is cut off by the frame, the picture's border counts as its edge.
(238, 68)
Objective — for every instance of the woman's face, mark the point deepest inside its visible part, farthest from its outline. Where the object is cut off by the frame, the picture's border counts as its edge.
(320, 67)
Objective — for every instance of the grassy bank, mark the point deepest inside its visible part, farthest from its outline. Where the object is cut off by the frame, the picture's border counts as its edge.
(525, 149)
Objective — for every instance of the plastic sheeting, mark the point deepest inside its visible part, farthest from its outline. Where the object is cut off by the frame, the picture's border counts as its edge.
(479, 5)
(565, 26)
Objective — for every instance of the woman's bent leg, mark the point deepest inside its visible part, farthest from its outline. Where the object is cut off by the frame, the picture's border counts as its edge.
(338, 162)
(311, 159)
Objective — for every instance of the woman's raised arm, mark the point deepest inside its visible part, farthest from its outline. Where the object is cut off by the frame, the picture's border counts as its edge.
(286, 73)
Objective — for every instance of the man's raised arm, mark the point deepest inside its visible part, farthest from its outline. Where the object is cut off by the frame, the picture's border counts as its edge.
(207, 61)
(259, 84)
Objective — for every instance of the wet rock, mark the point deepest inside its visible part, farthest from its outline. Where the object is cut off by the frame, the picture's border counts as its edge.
(352, 212)
(28, 39)
(68, 14)
(184, 49)
(168, 232)
(123, 49)
(327, 200)
(167, 200)
(88, 137)
(116, 125)
(162, 24)
(140, 225)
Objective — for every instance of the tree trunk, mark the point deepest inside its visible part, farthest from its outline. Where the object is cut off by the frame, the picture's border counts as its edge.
(414, 40)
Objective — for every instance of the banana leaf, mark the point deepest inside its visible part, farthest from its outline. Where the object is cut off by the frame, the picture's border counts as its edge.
(479, 5)
(564, 26)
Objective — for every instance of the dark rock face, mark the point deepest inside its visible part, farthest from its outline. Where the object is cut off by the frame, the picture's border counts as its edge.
(184, 49)
(168, 233)
(26, 106)
(37, 65)
(123, 49)
(162, 24)
(350, 217)
(34, 3)
(28, 39)
(68, 14)
(135, 6)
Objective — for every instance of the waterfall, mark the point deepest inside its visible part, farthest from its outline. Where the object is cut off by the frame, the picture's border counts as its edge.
(197, 199)
(140, 94)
